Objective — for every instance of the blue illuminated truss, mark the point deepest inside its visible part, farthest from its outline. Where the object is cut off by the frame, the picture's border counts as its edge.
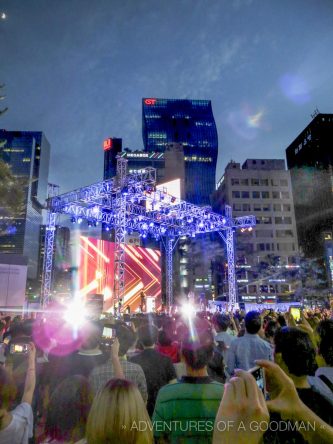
(131, 203)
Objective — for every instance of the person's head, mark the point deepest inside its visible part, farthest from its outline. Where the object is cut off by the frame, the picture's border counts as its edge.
(92, 334)
(148, 335)
(253, 322)
(8, 392)
(197, 344)
(68, 409)
(126, 337)
(294, 351)
(270, 329)
(282, 320)
(116, 407)
(164, 338)
(325, 332)
(221, 322)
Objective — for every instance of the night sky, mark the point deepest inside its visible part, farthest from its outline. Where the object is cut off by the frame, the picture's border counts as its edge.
(78, 69)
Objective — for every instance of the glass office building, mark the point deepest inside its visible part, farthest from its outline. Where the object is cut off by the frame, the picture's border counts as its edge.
(28, 155)
(191, 123)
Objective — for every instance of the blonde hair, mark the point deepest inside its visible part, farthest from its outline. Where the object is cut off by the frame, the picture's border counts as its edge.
(119, 415)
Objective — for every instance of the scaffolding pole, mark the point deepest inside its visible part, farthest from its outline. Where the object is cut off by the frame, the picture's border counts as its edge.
(228, 238)
(48, 259)
(120, 233)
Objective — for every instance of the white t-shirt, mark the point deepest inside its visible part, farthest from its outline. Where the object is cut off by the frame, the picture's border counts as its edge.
(20, 429)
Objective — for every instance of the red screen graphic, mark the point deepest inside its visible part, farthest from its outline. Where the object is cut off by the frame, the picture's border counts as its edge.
(142, 272)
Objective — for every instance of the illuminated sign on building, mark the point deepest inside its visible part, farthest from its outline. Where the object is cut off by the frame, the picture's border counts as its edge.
(150, 101)
(107, 144)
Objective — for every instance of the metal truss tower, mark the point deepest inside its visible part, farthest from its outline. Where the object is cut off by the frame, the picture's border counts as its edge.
(131, 203)
(228, 238)
(52, 191)
(120, 232)
(48, 259)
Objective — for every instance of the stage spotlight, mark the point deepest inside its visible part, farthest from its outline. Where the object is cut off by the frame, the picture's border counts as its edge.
(80, 220)
(188, 310)
(250, 229)
(151, 225)
(163, 230)
(125, 190)
(89, 223)
(73, 220)
(75, 314)
(144, 226)
(201, 225)
(224, 221)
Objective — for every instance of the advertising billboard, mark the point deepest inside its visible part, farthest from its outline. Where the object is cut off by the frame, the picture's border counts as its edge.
(13, 279)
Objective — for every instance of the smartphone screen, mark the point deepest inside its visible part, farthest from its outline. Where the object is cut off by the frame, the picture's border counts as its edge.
(259, 376)
(295, 313)
(108, 332)
(19, 348)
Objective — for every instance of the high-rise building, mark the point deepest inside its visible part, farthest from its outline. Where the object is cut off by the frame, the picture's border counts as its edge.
(169, 165)
(112, 148)
(28, 155)
(266, 254)
(190, 123)
(310, 161)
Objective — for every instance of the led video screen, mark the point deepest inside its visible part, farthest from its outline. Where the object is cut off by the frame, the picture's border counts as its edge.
(142, 272)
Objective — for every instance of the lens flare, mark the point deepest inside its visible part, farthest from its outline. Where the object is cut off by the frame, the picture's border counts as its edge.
(295, 88)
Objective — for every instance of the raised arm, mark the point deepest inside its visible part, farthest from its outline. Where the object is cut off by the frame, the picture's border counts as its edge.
(286, 402)
(30, 379)
(118, 370)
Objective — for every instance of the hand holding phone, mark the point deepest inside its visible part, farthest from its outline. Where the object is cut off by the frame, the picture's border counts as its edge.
(259, 375)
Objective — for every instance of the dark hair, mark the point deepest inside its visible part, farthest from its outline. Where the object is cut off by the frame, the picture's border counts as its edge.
(92, 335)
(297, 351)
(221, 321)
(271, 328)
(325, 331)
(282, 321)
(147, 335)
(68, 409)
(164, 338)
(252, 322)
(126, 337)
(198, 344)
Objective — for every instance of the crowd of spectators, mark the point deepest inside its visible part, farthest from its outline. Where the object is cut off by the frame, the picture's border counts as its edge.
(181, 378)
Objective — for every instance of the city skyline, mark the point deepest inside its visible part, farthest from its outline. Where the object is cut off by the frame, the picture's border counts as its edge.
(78, 72)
